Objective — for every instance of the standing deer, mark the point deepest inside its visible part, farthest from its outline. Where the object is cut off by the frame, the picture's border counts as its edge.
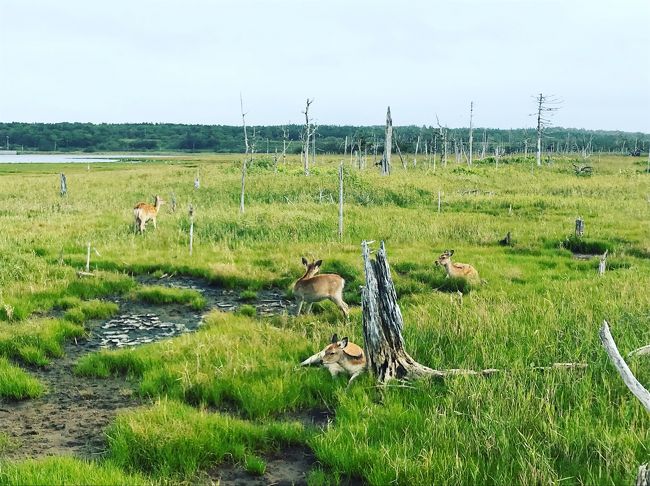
(340, 356)
(144, 212)
(314, 288)
(457, 270)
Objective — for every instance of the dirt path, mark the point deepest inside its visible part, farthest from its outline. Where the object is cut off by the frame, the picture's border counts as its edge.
(70, 417)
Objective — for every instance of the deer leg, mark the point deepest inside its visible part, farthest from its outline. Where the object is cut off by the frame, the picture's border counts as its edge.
(308, 309)
(154, 223)
(352, 378)
(338, 300)
(300, 302)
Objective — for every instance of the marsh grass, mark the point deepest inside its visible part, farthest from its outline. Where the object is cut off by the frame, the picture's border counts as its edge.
(16, 384)
(178, 440)
(539, 306)
(166, 295)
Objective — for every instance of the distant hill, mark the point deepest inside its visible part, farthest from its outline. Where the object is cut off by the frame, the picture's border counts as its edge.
(142, 137)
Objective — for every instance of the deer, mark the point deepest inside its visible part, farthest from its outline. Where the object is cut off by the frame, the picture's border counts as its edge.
(144, 212)
(457, 270)
(340, 357)
(314, 288)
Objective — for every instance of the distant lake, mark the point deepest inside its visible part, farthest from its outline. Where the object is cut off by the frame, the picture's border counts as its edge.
(68, 158)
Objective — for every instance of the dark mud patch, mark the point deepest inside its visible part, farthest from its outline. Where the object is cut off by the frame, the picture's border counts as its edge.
(70, 418)
(284, 468)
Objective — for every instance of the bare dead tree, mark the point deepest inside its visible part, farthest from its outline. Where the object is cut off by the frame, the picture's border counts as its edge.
(243, 165)
(443, 136)
(399, 152)
(388, 144)
(286, 143)
(307, 134)
(471, 138)
(546, 105)
(415, 155)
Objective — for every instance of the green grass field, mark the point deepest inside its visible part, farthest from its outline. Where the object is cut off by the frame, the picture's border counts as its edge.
(231, 391)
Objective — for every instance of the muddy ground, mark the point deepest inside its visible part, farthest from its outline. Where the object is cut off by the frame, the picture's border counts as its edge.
(71, 417)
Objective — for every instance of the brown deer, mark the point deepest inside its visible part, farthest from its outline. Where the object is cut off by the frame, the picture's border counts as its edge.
(457, 270)
(144, 212)
(314, 288)
(340, 356)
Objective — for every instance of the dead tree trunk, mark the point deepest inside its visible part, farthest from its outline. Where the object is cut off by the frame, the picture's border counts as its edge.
(388, 145)
(307, 137)
(383, 323)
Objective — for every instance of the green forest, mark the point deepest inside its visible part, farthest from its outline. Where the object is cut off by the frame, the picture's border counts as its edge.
(164, 137)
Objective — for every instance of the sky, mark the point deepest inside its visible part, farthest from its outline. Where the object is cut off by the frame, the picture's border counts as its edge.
(188, 61)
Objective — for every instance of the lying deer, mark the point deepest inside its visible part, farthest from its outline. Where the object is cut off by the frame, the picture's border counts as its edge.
(340, 356)
(144, 212)
(457, 270)
(314, 288)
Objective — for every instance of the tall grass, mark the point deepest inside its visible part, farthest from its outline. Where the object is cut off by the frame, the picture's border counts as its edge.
(539, 305)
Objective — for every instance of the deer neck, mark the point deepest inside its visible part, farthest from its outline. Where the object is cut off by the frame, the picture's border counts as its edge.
(308, 274)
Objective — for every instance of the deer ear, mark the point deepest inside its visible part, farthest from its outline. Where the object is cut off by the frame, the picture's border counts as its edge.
(318, 263)
(344, 342)
(451, 252)
(334, 338)
(304, 261)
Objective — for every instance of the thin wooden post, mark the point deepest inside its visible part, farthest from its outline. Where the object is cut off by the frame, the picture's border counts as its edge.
(88, 258)
(471, 137)
(64, 185)
(341, 201)
(602, 264)
(191, 228)
(197, 182)
(580, 227)
(439, 200)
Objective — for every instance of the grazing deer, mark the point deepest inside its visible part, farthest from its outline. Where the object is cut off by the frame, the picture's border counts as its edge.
(314, 288)
(144, 212)
(340, 356)
(457, 270)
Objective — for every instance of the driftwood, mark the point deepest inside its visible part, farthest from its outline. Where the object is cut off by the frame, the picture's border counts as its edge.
(621, 366)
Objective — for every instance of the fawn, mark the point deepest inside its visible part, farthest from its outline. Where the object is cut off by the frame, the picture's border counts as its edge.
(340, 356)
(457, 270)
(144, 212)
(314, 288)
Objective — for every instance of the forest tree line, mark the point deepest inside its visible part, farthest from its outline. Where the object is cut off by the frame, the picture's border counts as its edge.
(161, 137)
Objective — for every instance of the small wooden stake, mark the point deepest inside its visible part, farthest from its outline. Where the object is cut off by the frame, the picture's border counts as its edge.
(64, 185)
(88, 258)
(602, 264)
(439, 200)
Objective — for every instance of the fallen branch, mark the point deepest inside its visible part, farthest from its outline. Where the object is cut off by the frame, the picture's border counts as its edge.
(81, 274)
(639, 352)
(621, 366)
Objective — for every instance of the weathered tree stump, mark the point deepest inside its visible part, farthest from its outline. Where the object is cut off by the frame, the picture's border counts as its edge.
(383, 323)
(643, 477)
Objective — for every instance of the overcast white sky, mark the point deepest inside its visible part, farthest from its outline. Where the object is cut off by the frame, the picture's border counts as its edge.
(188, 60)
